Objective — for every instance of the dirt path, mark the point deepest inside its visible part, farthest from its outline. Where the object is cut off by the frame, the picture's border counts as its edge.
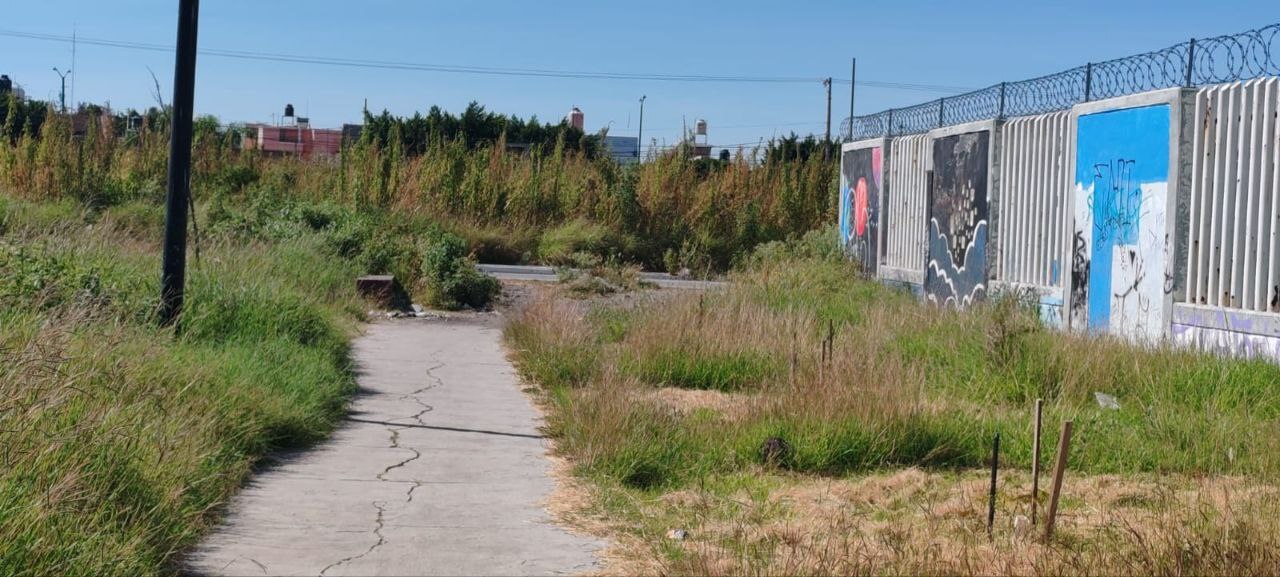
(439, 470)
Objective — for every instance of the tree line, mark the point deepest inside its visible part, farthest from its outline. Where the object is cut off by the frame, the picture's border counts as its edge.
(476, 127)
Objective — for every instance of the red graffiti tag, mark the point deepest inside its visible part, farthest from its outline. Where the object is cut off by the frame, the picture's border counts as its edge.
(860, 208)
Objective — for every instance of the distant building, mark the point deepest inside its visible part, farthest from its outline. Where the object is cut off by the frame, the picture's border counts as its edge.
(623, 149)
(298, 139)
(91, 118)
(351, 133)
(7, 85)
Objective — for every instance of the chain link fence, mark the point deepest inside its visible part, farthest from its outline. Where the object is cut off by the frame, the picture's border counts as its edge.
(1197, 62)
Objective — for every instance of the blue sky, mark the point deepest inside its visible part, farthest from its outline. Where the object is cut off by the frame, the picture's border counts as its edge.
(970, 44)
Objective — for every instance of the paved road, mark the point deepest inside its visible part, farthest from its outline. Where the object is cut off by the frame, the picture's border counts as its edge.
(548, 274)
(439, 470)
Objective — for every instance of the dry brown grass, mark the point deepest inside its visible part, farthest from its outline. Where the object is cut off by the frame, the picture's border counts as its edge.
(663, 408)
(912, 522)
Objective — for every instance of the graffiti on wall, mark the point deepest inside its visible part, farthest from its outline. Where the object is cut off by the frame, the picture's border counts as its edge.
(1120, 266)
(860, 183)
(1227, 343)
(956, 272)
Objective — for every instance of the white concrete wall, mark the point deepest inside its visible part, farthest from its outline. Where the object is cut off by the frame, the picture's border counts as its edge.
(1035, 183)
(1128, 165)
(904, 208)
(1202, 267)
(1233, 237)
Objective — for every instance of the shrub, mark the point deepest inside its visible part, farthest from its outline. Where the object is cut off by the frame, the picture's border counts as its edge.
(451, 278)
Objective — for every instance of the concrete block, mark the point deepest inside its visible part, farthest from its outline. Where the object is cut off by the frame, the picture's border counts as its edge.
(383, 289)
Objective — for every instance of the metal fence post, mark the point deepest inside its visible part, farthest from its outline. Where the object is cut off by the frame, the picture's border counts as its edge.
(1000, 114)
(942, 106)
(1088, 82)
(1191, 61)
(889, 131)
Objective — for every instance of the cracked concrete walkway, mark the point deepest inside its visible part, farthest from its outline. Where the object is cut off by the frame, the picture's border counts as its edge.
(439, 470)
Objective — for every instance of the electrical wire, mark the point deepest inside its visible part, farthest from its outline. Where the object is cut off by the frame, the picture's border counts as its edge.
(460, 69)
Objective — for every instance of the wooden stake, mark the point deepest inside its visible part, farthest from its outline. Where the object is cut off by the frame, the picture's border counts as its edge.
(995, 468)
(1035, 461)
(1059, 469)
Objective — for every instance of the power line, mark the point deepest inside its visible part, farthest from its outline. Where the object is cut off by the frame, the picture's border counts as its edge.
(460, 69)
(909, 86)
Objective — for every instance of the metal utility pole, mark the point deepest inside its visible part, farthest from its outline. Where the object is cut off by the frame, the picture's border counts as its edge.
(62, 96)
(826, 144)
(174, 272)
(640, 134)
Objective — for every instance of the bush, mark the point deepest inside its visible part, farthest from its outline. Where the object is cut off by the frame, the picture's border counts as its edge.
(451, 278)
(389, 253)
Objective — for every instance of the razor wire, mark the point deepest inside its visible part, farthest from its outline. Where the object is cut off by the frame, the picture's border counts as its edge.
(1200, 61)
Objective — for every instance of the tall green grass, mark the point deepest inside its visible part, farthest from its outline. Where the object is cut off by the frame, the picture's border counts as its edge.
(118, 439)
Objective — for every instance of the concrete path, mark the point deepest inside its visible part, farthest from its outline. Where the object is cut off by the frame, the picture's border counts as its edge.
(439, 470)
(548, 274)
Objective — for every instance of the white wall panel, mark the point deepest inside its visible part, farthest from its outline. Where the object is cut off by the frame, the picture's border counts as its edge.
(1234, 207)
(1035, 183)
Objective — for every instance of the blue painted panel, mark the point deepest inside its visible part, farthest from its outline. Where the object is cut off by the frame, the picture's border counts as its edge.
(1117, 152)
(846, 220)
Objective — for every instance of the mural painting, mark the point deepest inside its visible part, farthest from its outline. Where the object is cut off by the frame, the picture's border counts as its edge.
(1119, 263)
(956, 272)
(860, 184)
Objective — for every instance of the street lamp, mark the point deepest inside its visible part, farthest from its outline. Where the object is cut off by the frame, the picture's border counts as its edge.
(62, 96)
(640, 135)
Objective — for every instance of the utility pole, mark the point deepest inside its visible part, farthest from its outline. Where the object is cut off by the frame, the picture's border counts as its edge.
(826, 145)
(62, 96)
(73, 62)
(173, 277)
(853, 88)
(640, 134)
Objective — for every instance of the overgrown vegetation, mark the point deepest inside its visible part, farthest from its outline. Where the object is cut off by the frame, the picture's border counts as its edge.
(680, 396)
(543, 203)
(120, 438)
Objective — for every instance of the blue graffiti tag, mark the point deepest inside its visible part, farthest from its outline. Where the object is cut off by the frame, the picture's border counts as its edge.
(1118, 151)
